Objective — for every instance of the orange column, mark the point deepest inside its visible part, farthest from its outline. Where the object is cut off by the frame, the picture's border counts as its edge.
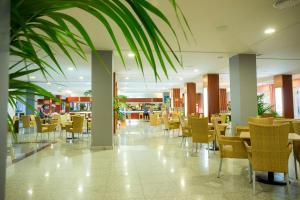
(190, 98)
(211, 83)
(175, 97)
(285, 82)
(199, 106)
(223, 100)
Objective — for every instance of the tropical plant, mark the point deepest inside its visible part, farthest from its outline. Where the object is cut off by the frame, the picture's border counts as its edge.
(119, 104)
(88, 93)
(263, 108)
(40, 26)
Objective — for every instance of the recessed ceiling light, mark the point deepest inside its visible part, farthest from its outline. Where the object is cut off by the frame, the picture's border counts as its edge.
(131, 55)
(81, 77)
(59, 88)
(70, 68)
(48, 83)
(270, 31)
(68, 91)
(196, 70)
(180, 78)
(32, 77)
(127, 78)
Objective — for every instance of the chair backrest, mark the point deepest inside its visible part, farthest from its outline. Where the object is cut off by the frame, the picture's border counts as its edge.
(296, 144)
(199, 129)
(223, 118)
(285, 120)
(57, 117)
(270, 151)
(296, 126)
(165, 120)
(77, 123)
(26, 121)
(38, 124)
(261, 120)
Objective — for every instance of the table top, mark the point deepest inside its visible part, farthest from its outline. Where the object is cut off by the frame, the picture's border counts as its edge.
(292, 136)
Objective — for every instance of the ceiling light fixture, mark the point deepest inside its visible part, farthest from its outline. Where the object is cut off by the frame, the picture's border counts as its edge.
(269, 31)
(180, 78)
(70, 68)
(196, 70)
(127, 78)
(48, 83)
(81, 77)
(32, 77)
(131, 55)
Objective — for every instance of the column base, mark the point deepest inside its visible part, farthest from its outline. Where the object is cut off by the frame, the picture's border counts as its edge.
(102, 147)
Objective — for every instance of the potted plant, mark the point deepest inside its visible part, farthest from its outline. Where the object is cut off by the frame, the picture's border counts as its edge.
(119, 107)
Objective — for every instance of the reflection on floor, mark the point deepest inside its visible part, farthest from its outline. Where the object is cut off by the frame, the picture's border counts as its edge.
(145, 165)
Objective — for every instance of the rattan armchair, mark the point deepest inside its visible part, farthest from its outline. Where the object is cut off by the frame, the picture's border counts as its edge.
(269, 150)
(200, 132)
(77, 125)
(230, 147)
(154, 119)
(185, 130)
(296, 145)
(170, 124)
(44, 128)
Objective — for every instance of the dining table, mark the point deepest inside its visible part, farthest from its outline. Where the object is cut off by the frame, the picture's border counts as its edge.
(271, 177)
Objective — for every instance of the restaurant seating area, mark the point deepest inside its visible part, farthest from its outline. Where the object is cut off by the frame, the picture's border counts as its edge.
(150, 100)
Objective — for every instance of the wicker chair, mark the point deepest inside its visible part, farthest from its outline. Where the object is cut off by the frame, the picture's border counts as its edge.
(200, 132)
(169, 124)
(77, 125)
(154, 119)
(261, 120)
(296, 145)
(185, 129)
(269, 150)
(26, 122)
(285, 120)
(44, 128)
(230, 147)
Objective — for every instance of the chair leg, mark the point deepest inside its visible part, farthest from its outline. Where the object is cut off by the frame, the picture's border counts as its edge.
(220, 167)
(286, 179)
(208, 148)
(296, 170)
(253, 182)
(214, 143)
(250, 172)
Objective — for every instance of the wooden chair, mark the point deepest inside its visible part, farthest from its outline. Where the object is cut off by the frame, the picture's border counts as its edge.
(296, 145)
(185, 130)
(77, 125)
(44, 128)
(230, 147)
(269, 150)
(200, 132)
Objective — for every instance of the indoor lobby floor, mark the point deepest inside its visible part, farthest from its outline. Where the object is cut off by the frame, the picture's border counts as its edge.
(145, 164)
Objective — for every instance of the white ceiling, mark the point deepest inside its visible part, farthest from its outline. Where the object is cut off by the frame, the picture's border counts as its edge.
(220, 28)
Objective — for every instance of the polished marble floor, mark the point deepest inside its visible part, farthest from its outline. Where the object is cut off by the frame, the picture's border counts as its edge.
(145, 164)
